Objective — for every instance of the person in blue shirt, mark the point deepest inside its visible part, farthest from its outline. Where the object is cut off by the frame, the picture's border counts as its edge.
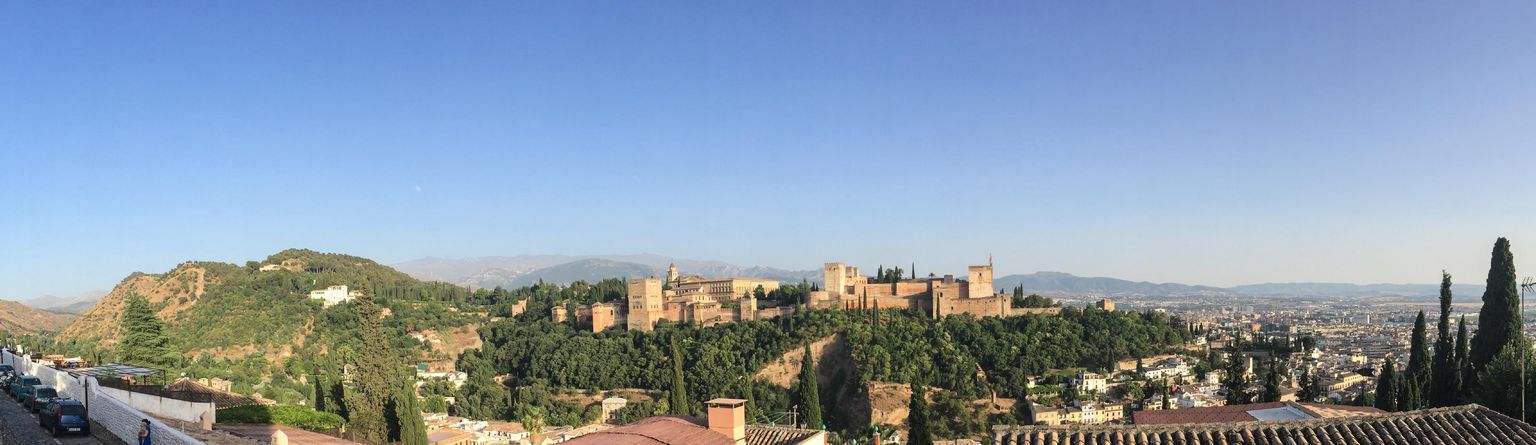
(144, 432)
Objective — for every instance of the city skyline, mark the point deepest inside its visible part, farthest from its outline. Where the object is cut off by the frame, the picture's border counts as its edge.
(1206, 144)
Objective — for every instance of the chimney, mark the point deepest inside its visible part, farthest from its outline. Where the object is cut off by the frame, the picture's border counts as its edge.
(729, 417)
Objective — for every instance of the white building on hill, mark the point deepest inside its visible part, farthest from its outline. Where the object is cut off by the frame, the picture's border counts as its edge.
(333, 295)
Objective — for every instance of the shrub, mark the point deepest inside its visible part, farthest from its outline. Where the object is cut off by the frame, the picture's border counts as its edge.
(291, 415)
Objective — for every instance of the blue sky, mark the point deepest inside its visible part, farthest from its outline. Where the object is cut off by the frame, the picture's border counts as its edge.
(1201, 142)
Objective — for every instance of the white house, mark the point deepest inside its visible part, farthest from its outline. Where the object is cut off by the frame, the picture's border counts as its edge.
(333, 295)
(1090, 382)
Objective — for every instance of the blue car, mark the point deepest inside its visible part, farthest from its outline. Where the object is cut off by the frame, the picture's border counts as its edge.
(64, 416)
(20, 385)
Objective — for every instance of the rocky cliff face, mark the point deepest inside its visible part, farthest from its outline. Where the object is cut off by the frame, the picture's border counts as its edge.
(169, 293)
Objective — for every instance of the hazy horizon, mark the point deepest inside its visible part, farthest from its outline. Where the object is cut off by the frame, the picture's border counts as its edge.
(1198, 143)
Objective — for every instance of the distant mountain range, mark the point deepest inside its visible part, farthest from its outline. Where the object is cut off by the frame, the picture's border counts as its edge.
(1059, 283)
(514, 271)
(68, 305)
(1348, 289)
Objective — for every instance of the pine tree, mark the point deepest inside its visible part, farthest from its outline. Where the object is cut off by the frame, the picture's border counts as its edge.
(1386, 388)
(1444, 385)
(918, 428)
(810, 396)
(1272, 383)
(1497, 322)
(1417, 375)
(144, 342)
(679, 393)
(375, 382)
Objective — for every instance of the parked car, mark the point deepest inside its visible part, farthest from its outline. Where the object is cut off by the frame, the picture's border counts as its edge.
(19, 386)
(64, 416)
(39, 396)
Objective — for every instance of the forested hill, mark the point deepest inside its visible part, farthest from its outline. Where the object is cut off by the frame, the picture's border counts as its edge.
(232, 310)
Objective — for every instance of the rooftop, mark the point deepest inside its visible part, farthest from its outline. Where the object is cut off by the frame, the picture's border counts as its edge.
(676, 430)
(1467, 424)
(1250, 412)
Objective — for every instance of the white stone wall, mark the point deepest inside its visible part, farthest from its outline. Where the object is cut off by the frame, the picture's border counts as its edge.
(117, 417)
(160, 406)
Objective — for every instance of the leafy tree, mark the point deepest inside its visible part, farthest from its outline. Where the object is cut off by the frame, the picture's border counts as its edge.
(434, 404)
(1498, 384)
(1497, 322)
(810, 397)
(678, 398)
(1386, 388)
(143, 342)
(1444, 384)
(919, 427)
(483, 398)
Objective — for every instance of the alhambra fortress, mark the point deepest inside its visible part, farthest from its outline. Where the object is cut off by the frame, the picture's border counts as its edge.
(709, 301)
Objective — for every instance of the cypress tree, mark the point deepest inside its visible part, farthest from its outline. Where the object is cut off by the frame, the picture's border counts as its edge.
(1409, 395)
(1386, 388)
(919, 431)
(1497, 322)
(1272, 383)
(1308, 391)
(1166, 404)
(679, 396)
(810, 397)
(412, 429)
(1418, 367)
(1235, 380)
(1443, 386)
(321, 394)
(1464, 375)
(374, 383)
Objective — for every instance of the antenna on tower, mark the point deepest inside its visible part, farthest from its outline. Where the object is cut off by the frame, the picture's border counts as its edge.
(1525, 354)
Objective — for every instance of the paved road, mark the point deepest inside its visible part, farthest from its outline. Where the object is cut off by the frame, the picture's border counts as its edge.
(19, 427)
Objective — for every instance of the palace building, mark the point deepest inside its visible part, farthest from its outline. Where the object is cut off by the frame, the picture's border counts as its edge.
(709, 301)
(843, 287)
(682, 299)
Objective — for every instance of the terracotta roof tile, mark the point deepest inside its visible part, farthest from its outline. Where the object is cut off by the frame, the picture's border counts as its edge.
(670, 430)
(1462, 425)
